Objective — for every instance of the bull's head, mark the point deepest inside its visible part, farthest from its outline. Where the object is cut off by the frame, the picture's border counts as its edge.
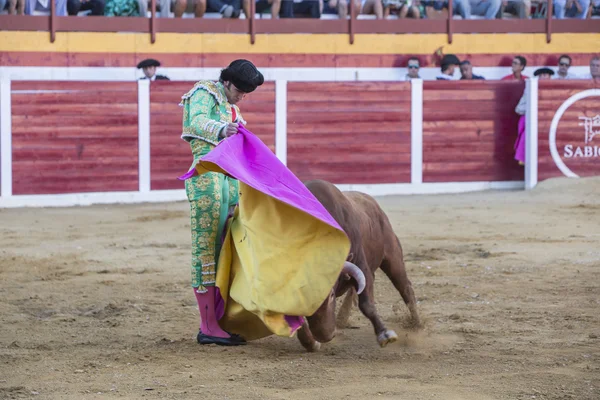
(322, 322)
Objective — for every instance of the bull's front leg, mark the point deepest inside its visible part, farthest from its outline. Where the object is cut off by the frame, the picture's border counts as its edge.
(306, 338)
(366, 303)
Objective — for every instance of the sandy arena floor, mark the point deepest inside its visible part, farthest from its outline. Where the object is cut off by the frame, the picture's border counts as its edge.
(95, 303)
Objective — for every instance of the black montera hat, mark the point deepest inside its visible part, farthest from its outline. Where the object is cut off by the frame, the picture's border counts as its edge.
(149, 62)
(243, 74)
(543, 70)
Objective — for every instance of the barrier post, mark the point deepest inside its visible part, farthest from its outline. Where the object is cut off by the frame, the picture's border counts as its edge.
(416, 131)
(281, 120)
(144, 134)
(5, 139)
(531, 133)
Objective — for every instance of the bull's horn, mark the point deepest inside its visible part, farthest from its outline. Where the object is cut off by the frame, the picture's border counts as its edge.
(356, 273)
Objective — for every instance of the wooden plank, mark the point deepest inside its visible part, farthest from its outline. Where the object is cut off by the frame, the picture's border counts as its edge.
(350, 129)
(358, 88)
(74, 132)
(75, 120)
(383, 156)
(578, 85)
(472, 85)
(469, 131)
(349, 107)
(48, 187)
(330, 96)
(82, 109)
(459, 95)
(362, 140)
(337, 117)
(75, 142)
(75, 85)
(83, 97)
(365, 172)
(475, 176)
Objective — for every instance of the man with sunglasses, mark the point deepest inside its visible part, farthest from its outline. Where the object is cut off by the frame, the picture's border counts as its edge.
(211, 114)
(564, 62)
(413, 69)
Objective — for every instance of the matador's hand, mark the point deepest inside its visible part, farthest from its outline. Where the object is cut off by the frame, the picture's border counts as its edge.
(231, 129)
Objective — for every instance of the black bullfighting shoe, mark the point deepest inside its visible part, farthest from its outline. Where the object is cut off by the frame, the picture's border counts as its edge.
(234, 340)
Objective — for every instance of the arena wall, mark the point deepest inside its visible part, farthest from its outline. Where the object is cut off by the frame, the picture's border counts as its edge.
(77, 128)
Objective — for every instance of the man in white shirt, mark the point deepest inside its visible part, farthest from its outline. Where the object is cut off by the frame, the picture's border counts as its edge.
(564, 62)
(594, 69)
(448, 65)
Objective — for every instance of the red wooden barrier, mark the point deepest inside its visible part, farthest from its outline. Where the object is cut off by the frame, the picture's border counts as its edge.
(349, 132)
(71, 137)
(469, 129)
(170, 156)
(571, 129)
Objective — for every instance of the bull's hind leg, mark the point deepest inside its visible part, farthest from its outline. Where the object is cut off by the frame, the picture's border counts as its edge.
(393, 267)
(366, 304)
(343, 314)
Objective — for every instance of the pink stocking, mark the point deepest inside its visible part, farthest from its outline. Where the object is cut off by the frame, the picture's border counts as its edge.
(209, 325)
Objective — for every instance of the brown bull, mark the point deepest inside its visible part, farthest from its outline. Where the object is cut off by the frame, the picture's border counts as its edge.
(373, 245)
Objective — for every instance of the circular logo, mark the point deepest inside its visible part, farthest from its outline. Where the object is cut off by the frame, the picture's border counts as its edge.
(591, 128)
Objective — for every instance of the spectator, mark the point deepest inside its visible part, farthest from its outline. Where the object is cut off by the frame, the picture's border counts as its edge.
(594, 9)
(14, 6)
(404, 8)
(262, 6)
(340, 7)
(521, 109)
(519, 8)
(594, 69)
(33, 5)
(300, 9)
(372, 7)
(75, 6)
(227, 8)
(436, 9)
(571, 8)
(466, 71)
(125, 8)
(448, 64)
(413, 69)
(486, 8)
(518, 65)
(149, 67)
(564, 62)
(163, 7)
(198, 7)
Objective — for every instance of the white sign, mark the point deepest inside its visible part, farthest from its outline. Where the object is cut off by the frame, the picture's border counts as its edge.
(591, 128)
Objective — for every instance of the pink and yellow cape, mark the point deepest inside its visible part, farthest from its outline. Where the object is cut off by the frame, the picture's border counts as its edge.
(282, 251)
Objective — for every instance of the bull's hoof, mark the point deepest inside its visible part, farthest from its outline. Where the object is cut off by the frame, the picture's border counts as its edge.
(386, 337)
(313, 347)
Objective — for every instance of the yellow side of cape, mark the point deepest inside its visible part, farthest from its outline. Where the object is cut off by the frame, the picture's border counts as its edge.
(276, 260)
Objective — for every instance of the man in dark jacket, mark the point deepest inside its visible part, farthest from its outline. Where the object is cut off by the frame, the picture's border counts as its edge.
(149, 67)
(466, 71)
